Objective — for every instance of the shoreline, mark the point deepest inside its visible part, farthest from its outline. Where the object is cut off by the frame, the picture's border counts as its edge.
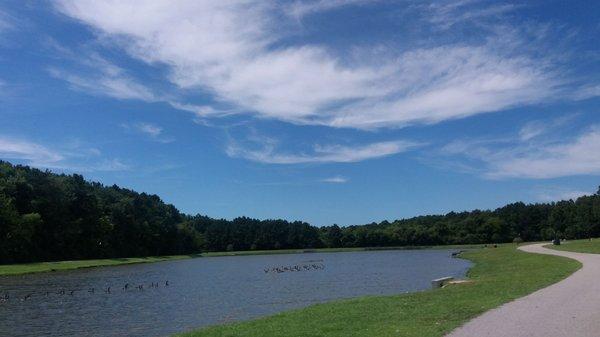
(52, 266)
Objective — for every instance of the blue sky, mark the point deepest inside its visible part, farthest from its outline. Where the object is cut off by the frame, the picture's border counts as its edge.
(326, 111)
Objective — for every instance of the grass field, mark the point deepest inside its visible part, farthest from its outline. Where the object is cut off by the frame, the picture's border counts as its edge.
(499, 275)
(25, 268)
(579, 246)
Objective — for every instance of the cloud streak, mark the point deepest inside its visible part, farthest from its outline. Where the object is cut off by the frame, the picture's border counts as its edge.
(299, 9)
(152, 131)
(335, 180)
(104, 78)
(554, 194)
(445, 14)
(526, 158)
(578, 157)
(37, 155)
(231, 49)
(268, 153)
(7, 22)
(94, 74)
(149, 129)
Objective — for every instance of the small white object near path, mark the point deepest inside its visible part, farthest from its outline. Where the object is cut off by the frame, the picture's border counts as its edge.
(569, 308)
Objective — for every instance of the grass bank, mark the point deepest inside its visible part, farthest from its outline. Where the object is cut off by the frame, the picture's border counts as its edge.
(579, 246)
(37, 267)
(498, 276)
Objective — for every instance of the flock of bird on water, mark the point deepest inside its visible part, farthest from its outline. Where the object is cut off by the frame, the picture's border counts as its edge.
(140, 287)
(307, 266)
(297, 267)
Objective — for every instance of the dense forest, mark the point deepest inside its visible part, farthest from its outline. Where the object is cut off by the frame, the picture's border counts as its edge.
(46, 216)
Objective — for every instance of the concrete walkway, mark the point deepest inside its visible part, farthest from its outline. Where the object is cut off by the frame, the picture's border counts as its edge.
(570, 308)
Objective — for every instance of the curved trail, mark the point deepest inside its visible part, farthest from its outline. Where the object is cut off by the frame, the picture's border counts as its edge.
(569, 308)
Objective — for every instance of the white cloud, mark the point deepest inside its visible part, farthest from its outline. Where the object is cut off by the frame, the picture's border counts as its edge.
(35, 153)
(299, 8)
(335, 180)
(536, 128)
(104, 78)
(98, 76)
(578, 157)
(533, 159)
(588, 91)
(229, 49)
(557, 194)
(445, 14)
(72, 159)
(150, 129)
(268, 153)
(200, 111)
(91, 73)
(532, 130)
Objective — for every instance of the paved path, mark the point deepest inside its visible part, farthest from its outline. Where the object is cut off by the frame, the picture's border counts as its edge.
(570, 308)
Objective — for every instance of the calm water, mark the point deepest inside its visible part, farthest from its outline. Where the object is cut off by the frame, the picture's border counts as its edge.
(206, 291)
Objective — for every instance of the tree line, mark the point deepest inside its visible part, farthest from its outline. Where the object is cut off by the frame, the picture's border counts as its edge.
(47, 217)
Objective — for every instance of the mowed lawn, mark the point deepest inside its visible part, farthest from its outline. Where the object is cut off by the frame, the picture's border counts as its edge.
(499, 275)
(579, 246)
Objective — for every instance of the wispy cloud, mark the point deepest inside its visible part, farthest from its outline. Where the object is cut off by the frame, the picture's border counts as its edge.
(555, 194)
(536, 128)
(587, 91)
(301, 8)
(577, 157)
(266, 150)
(532, 130)
(94, 74)
(150, 130)
(110, 165)
(231, 50)
(71, 159)
(9, 22)
(101, 77)
(5, 22)
(3, 91)
(335, 180)
(445, 14)
(34, 153)
(524, 158)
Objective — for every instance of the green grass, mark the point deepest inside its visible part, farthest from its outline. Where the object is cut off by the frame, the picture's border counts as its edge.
(15, 269)
(579, 246)
(499, 275)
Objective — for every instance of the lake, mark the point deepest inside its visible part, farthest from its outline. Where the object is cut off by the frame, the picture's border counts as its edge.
(206, 291)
